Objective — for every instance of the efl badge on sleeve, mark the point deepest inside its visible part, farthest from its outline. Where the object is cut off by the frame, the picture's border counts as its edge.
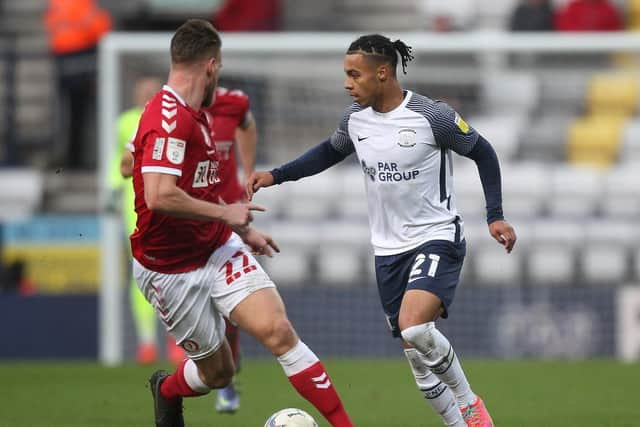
(406, 138)
(464, 127)
(175, 150)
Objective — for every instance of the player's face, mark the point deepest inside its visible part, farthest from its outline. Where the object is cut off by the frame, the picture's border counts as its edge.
(361, 80)
(213, 72)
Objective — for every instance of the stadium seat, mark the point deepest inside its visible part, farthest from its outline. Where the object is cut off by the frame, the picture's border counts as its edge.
(494, 267)
(613, 94)
(289, 268)
(574, 191)
(604, 264)
(621, 195)
(544, 140)
(498, 91)
(340, 266)
(502, 131)
(562, 232)
(606, 231)
(353, 203)
(525, 187)
(314, 197)
(551, 265)
(595, 140)
(469, 197)
(21, 192)
(630, 152)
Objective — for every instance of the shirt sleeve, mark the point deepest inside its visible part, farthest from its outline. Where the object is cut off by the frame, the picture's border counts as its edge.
(164, 146)
(449, 128)
(340, 140)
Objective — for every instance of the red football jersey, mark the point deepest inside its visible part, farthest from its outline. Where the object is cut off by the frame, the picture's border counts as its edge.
(228, 112)
(174, 139)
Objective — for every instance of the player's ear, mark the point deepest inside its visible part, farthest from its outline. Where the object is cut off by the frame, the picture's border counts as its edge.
(383, 72)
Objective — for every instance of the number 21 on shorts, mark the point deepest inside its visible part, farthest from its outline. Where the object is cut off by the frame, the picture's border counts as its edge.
(416, 271)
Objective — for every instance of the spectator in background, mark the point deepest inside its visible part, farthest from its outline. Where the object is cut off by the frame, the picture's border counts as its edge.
(449, 15)
(532, 15)
(74, 28)
(588, 15)
(248, 15)
(120, 179)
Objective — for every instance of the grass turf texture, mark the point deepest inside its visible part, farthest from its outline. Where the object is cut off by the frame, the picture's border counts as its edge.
(376, 393)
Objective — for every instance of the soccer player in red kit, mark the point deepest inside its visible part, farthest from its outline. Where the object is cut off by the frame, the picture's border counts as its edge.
(193, 259)
(233, 131)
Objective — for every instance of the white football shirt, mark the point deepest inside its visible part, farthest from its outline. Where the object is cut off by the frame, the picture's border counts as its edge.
(405, 155)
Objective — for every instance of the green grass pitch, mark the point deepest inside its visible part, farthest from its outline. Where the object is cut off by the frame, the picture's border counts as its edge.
(377, 393)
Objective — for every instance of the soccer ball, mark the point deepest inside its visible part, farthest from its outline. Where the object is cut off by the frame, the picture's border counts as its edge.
(291, 417)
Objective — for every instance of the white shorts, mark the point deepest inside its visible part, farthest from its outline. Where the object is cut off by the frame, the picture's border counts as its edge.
(191, 305)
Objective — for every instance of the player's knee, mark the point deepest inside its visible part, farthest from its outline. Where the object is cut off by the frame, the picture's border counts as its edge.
(423, 337)
(280, 337)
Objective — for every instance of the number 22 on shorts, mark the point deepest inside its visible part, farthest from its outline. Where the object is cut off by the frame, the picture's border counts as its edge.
(231, 276)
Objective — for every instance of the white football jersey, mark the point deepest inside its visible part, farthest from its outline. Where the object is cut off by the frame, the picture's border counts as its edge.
(405, 155)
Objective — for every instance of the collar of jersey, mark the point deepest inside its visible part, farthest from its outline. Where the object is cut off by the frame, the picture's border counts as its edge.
(407, 96)
(174, 93)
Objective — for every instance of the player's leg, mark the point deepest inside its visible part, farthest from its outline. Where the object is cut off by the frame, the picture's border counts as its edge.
(244, 293)
(392, 273)
(183, 303)
(227, 398)
(262, 314)
(430, 289)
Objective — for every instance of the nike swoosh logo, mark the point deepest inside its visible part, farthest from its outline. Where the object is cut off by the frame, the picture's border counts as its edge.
(362, 138)
(413, 279)
(210, 152)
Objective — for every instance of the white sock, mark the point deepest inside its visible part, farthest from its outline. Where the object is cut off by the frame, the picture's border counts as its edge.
(299, 358)
(441, 359)
(435, 392)
(192, 378)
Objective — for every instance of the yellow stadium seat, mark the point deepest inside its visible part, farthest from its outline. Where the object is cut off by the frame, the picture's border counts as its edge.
(595, 140)
(613, 94)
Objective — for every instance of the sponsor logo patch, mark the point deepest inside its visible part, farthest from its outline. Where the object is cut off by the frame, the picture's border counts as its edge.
(175, 150)
(158, 148)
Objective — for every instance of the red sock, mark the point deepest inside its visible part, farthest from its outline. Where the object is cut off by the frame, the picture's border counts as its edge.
(314, 385)
(175, 385)
(233, 339)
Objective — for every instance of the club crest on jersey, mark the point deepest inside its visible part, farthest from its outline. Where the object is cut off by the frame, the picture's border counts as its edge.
(406, 138)
(175, 150)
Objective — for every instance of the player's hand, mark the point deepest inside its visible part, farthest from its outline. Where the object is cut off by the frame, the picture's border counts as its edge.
(259, 242)
(504, 234)
(238, 215)
(256, 181)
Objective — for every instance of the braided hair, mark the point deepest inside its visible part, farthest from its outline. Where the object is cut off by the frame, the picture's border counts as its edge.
(380, 46)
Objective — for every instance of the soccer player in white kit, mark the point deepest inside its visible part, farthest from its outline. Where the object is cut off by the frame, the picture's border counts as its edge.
(193, 259)
(403, 142)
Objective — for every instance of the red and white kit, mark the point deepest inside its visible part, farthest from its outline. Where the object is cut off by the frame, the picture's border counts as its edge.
(192, 272)
(229, 111)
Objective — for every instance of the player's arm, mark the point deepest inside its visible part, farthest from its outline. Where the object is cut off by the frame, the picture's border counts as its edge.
(162, 194)
(488, 165)
(246, 138)
(314, 161)
(321, 157)
(451, 131)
